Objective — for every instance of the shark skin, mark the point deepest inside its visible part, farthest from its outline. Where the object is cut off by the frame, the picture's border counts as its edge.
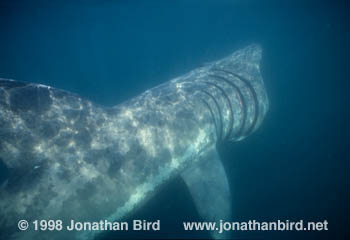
(69, 158)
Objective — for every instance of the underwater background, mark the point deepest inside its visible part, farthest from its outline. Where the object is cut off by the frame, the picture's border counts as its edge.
(294, 167)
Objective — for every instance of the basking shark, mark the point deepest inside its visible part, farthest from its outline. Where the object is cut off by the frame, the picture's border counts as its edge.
(69, 158)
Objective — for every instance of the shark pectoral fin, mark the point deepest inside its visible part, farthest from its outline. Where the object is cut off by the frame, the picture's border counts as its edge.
(208, 185)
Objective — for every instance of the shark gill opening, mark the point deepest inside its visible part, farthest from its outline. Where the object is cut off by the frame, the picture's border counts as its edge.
(253, 94)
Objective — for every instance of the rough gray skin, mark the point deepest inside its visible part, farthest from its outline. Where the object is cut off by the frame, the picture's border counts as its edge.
(72, 159)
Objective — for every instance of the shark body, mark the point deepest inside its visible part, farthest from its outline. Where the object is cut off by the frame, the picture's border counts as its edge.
(69, 158)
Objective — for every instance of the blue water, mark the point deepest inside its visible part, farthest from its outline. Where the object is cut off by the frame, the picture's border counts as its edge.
(293, 167)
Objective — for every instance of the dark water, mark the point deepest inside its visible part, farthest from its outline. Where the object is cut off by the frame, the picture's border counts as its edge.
(294, 167)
